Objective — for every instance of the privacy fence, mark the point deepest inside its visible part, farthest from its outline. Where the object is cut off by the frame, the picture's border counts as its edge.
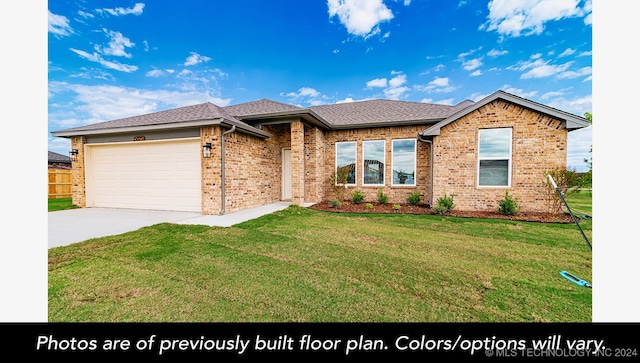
(59, 183)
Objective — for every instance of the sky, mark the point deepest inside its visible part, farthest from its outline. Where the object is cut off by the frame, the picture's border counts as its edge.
(114, 59)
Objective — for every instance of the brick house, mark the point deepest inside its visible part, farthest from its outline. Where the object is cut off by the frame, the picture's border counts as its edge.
(216, 160)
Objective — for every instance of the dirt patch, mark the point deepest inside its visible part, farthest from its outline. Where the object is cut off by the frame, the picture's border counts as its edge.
(349, 207)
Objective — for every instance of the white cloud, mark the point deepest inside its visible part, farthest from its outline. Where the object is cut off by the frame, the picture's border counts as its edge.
(85, 15)
(154, 73)
(360, 17)
(438, 85)
(95, 57)
(448, 102)
(440, 82)
(567, 52)
(346, 100)
(527, 17)
(307, 95)
(496, 53)
(135, 10)
(584, 71)
(536, 67)
(519, 91)
(378, 82)
(586, 54)
(196, 58)
(477, 73)
(59, 25)
(398, 80)
(472, 64)
(304, 92)
(117, 44)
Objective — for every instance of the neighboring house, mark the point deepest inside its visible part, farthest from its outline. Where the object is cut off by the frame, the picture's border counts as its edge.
(58, 161)
(216, 160)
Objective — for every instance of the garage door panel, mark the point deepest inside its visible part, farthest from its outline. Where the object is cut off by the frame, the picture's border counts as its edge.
(151, 175)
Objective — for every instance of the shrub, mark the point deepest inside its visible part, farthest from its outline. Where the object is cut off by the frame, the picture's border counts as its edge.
(382, 198)
(368, 205)
(396, 207)
(444, 204)
(357, 196)
(414, 198)
(339, 181)
(508, 205)
(335, 203)
(566, 180)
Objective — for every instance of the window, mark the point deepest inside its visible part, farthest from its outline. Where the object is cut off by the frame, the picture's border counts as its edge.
(403, 162)
(346, 161)
(373, 162)
(494, 157)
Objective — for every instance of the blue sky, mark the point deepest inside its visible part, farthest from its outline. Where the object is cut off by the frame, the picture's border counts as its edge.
(113, 59)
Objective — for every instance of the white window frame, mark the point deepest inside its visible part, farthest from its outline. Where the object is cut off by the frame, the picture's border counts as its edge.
(509, 160)
(415, 163)
(355, 163)
(384, 161)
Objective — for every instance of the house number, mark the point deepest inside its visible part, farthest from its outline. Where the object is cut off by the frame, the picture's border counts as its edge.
(138, 138)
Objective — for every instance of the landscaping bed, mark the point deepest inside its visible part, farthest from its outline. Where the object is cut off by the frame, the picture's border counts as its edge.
(350, 207)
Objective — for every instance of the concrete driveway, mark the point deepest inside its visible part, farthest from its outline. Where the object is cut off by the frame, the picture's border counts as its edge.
(77, 225)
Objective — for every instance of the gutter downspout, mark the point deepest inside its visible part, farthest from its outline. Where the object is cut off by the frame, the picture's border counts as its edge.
(223, 178)
(430, 142)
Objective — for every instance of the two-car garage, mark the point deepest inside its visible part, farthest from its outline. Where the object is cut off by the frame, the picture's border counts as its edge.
(157, 175)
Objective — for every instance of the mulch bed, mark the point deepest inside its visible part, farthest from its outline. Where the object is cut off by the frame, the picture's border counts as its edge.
(349, 207)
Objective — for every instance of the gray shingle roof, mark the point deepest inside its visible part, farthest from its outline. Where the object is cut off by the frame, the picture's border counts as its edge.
(58, 158)
(203, 111)
(263, 106)
(381, 111)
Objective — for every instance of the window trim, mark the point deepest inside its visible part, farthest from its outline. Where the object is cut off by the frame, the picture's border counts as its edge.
(384, 161)
(355, 163)
(415, 163)
(509, 160)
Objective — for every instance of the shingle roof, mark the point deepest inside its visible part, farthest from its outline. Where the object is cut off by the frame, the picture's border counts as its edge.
(58, 158)
(263, 106)
(203, 111)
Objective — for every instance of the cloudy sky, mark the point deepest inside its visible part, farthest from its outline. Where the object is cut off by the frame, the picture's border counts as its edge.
(113, 59)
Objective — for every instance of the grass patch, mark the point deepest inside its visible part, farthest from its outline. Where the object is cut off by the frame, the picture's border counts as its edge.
(301, 265)
(580, 201)
(60, 204)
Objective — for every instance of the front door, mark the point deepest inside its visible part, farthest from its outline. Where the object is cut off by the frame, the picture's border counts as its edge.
(286, 174)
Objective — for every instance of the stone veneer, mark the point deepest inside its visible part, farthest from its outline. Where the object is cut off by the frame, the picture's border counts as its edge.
(397, 194)
(538, 145)
(78, 187)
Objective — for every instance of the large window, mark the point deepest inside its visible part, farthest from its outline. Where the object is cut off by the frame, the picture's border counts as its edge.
(494, 157)
(403, 162)
(373, 162)
(346, 162)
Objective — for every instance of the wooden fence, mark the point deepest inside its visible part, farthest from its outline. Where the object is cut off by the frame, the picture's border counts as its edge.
(59, 183)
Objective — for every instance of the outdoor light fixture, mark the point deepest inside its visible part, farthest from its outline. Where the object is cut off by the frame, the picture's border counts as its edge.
(206, 150)
(73, 154)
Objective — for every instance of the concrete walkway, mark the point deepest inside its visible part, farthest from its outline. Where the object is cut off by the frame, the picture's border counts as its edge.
(77, 225)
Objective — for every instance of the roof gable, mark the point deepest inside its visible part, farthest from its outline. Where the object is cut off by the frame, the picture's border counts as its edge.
(570, 121)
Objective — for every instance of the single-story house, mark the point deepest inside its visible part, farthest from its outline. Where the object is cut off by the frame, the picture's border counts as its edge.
(59, 161)
(216, 160)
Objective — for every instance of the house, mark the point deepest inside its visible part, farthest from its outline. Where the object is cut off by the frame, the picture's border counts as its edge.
(216, 160)
(58, 161)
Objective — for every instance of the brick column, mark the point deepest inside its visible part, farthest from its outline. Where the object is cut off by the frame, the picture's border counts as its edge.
(297, 162)
(78, 187)
(210, 171)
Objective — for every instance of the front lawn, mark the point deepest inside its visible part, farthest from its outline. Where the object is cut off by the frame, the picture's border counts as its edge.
(60, 204)
(302, 265)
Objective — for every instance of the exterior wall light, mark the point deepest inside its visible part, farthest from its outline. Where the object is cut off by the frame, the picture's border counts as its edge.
(73, 154)
(206, 150)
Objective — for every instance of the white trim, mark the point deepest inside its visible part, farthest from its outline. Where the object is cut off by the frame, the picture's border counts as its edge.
(415, 163)
(355, 162)
(282, 191)
(384, 161)
(509, 160)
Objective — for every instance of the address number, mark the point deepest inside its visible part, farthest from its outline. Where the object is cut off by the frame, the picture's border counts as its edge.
(138, 138)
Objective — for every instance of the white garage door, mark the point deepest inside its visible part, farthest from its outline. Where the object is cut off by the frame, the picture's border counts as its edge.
(159, 175)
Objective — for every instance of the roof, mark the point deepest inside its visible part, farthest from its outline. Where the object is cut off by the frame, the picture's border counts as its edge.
(58, 158)
(260, 107)
(569, 121)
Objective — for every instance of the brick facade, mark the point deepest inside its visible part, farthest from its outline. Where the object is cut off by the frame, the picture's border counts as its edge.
(539, 144)
(78, 187)
(397, 194)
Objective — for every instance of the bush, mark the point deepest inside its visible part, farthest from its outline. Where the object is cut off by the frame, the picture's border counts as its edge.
(444, 204)
(508, 206)
(396, 207)
(357, 196)
(414, 198)
(335, 203)
(368, 206)
(382, 198)
(566, 180)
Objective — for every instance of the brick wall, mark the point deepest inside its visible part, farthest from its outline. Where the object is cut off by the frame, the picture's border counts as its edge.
(78, 187)
(210, 171)
(313, 164)
(539, 144)
(397, 194)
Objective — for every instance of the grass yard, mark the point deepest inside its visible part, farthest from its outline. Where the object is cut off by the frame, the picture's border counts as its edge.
(301, 265)
(60, 204)
(580, 201)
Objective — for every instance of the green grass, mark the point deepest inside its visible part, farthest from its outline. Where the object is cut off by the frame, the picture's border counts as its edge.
(301, 265)
(580, 201)
(60, 204)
